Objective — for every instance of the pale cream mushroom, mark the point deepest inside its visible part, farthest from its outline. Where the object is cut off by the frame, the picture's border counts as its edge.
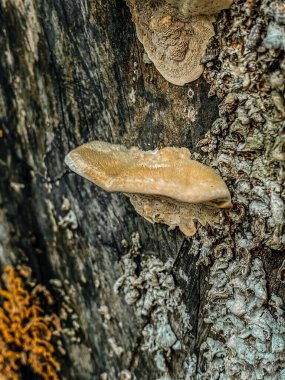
(164, 185)
(200, 7)
(174, 41)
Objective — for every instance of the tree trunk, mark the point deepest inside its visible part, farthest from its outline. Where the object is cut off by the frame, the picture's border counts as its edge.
(150, 303)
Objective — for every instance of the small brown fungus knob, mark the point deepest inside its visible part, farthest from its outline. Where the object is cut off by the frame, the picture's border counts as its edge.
(164, 186)
(175, 34)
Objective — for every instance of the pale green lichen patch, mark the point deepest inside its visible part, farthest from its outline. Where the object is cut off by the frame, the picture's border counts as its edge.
(250, 322)
(155, 299)
(252, 118)
(275, 36)
(247, 326)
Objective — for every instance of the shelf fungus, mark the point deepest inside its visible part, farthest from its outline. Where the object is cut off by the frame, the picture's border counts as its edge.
(175, 34)
(164, 186)
(200, 7)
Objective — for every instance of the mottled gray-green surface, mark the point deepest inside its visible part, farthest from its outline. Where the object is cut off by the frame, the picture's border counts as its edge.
(148, 303)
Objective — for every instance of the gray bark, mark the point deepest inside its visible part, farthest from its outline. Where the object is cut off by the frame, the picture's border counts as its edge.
(200, 308)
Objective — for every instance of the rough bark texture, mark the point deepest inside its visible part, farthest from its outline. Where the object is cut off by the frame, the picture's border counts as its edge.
(150, 303)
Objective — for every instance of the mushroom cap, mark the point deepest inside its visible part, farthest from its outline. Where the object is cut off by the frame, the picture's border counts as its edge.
(200, 7)
(175, 34)
(168, 172)
(179, 61)
(174, 44)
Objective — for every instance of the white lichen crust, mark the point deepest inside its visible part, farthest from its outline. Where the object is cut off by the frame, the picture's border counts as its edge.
(243, 311)
(275, 37)
(252, 110)
(148, 286)
(251, 325)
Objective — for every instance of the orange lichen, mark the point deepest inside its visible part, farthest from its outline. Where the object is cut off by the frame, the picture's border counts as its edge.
(25, 331)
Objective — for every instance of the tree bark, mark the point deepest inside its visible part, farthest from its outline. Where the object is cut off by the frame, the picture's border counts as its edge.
(150, 303)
